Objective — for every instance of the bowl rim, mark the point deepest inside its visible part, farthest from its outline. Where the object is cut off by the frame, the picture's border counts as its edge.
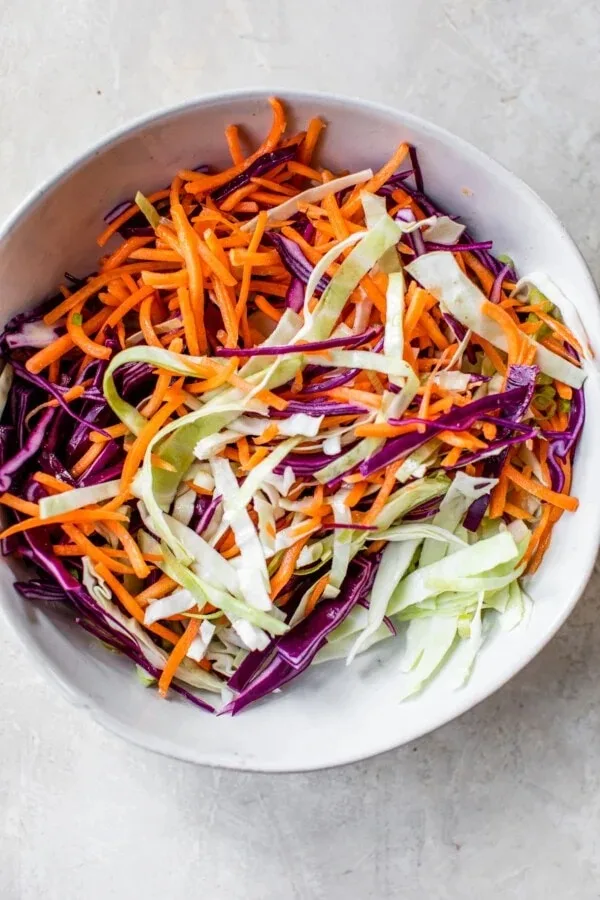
(44, 664)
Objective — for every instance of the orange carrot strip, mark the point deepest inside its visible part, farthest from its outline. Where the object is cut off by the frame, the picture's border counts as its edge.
(232, 136)
(489, 431)
(516, 512)
(62, 345)
(561, 330)
(307, 148)
(498, 498)
(228, 313)
(81, 340)
(79, 515)
(389, 482)
(177, 656)
(511, 331)
(433, 330)
(538, 533)
(364, 398)
(298, 168)
(452, 458)
(352, 205)
(189, 323)
(95, 553)
(112, 430)
(562, 501)
(418, 302)
(216, 261)
(239, 257)
(337, 220)
(201, 387)
(140, 445)
(356, 494)
(130, 303)
(93, 286)
(24, 506)
(286, 567)
(146, 324)
(316, 594)
(269, 287)
(131, 548)
(261, 224)
(485, 277)
(163, 586)
(170, 256)
(461, 439)
(244, 452)
(50, 481)
(270, 432)
(263, 304)
(85, 461)
(383, 430)
(190, 249)
(203, 183)
(166, 281)
(132, 606)
(124, 252)
(563, 390)
(274, 186)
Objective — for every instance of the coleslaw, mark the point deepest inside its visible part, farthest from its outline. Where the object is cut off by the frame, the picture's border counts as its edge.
(292, 414)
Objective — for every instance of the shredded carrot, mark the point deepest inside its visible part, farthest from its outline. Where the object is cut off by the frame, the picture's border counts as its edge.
(85, 461)
(210, 384)
(270, 432)
(177, 656)
(561, 330)
(50, 481)
(91, 288)
(516, 512)
(389, 482)
(538, 533)
(129, 603)
(316, 594)
(140, 445)
(356, 494)
(126, 306)
(352, 205)
(204, 183)
(315, 127)
(24, 506)
(498, 499)
(511, 331)
(54, 351)
(286, 567)
(78, 516)
(461, 439)
(232, 135)
(131, 548)
(451, 458)
(267, 308)
(124, 252)
(562, 501)
(190, 248)
(160, 588)
(364, 398)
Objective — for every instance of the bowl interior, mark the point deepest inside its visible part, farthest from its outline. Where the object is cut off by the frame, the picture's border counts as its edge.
(332, 714)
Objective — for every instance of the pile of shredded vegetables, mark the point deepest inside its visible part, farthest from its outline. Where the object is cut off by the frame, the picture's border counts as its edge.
(293, 412)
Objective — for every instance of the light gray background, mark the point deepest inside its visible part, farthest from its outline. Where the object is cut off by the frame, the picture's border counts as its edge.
(504, 803)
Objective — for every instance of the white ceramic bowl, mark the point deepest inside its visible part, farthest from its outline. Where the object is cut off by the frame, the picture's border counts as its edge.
(332, 714)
